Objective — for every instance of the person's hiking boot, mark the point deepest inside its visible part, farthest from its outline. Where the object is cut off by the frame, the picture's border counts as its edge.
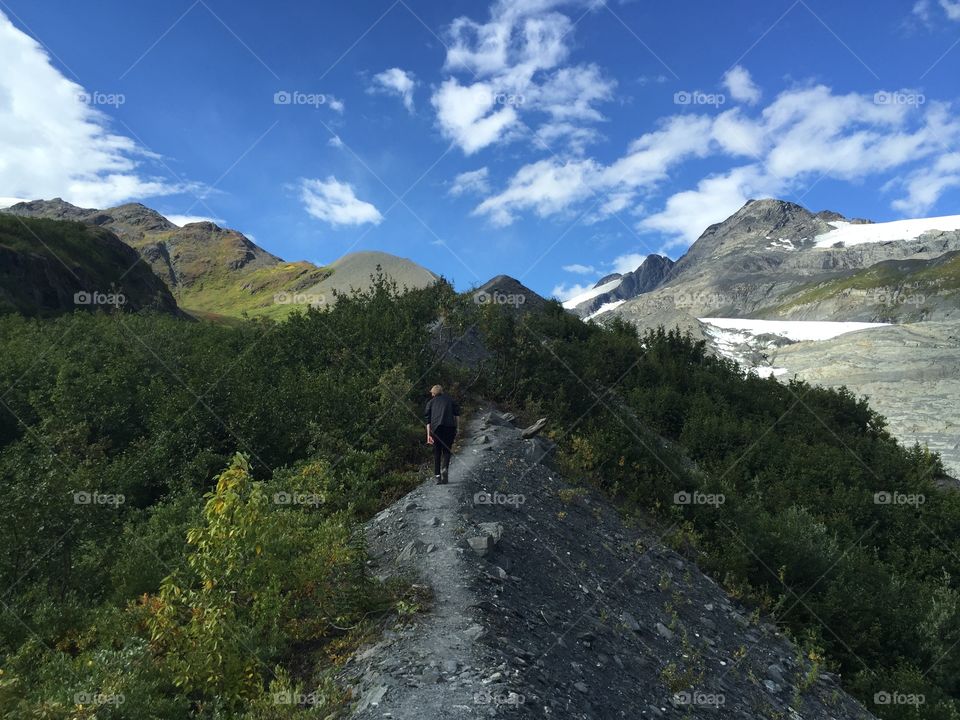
(444, 475)
(440, 480)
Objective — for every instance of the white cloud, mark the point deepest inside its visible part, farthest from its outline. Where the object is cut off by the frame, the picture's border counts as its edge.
(472, 181)
(627, 263)
(336, 203)
(549, 186)
(926, 185)
(335, 141)
(396, 82)
(53, 143)
(467, 116)
(579, 269)
(564, 292)
(335, 104)
(518, 83)
(6, 202)
(740, 85)
(181, 220)
(951, 8)
(687, 214)
(804, 134)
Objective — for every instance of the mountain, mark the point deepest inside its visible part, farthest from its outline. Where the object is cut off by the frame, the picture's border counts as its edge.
(214, 271)
(510, 293)
(613, 290)
(48, 267)
(353, 270)
(786, 292)
(759, 261)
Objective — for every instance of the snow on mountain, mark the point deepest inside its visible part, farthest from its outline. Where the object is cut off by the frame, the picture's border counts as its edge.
(795, 330)
(591, 293)
(848, 233)
(604, 308)
(749, 342)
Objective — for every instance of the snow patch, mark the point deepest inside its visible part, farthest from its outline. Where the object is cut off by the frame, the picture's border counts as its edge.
(795, 330)
(856, 234)
(606, 307)
(591, 293)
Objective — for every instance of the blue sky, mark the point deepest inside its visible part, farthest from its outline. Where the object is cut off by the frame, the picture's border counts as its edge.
(551, 140)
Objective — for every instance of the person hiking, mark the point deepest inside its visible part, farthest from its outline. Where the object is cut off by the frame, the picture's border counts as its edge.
(442, 415)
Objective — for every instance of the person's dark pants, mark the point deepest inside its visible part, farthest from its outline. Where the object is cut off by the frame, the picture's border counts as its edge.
(442, 443)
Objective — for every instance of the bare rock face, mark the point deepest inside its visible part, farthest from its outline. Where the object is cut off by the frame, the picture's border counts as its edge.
(651, 273)
(910, 373)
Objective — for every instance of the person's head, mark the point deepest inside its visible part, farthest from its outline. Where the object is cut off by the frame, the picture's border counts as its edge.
(436, 390)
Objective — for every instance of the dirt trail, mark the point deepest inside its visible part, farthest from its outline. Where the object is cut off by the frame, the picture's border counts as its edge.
(436, 668)
(549, 604)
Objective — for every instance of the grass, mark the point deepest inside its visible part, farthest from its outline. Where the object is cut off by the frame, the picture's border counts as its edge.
(920, 276)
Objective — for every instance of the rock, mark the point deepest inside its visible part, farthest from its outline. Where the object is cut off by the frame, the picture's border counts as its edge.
(581, 687)
(475, 632)
(771, 686)
(664, 631)
(434, 521)
(481, 544)
(534, 429)
(483, 440)
(449, 667)
(630, 621)
(410, 551)
(410, 506)
(493, 529)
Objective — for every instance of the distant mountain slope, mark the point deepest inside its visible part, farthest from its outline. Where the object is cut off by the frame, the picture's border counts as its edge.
(213, 271)
(615, 288)
(353, 270)
(759, 261)
(48, 267)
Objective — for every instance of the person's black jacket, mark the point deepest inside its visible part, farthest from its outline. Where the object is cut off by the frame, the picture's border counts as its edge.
(441, 411)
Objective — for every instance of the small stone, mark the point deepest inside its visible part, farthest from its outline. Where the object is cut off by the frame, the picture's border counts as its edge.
(664, 631)
(410, 506)
(434, 521)
(481, 544)
(582, 687)
(771, 686)
(630, 621)
(493, 529)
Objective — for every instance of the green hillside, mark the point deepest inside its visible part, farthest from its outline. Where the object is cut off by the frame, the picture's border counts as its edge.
(144, 553)
(49, 267)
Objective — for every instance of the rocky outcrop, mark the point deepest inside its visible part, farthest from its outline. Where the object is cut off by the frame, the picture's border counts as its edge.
(51, 267)
(651, 273)
(546, 604)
